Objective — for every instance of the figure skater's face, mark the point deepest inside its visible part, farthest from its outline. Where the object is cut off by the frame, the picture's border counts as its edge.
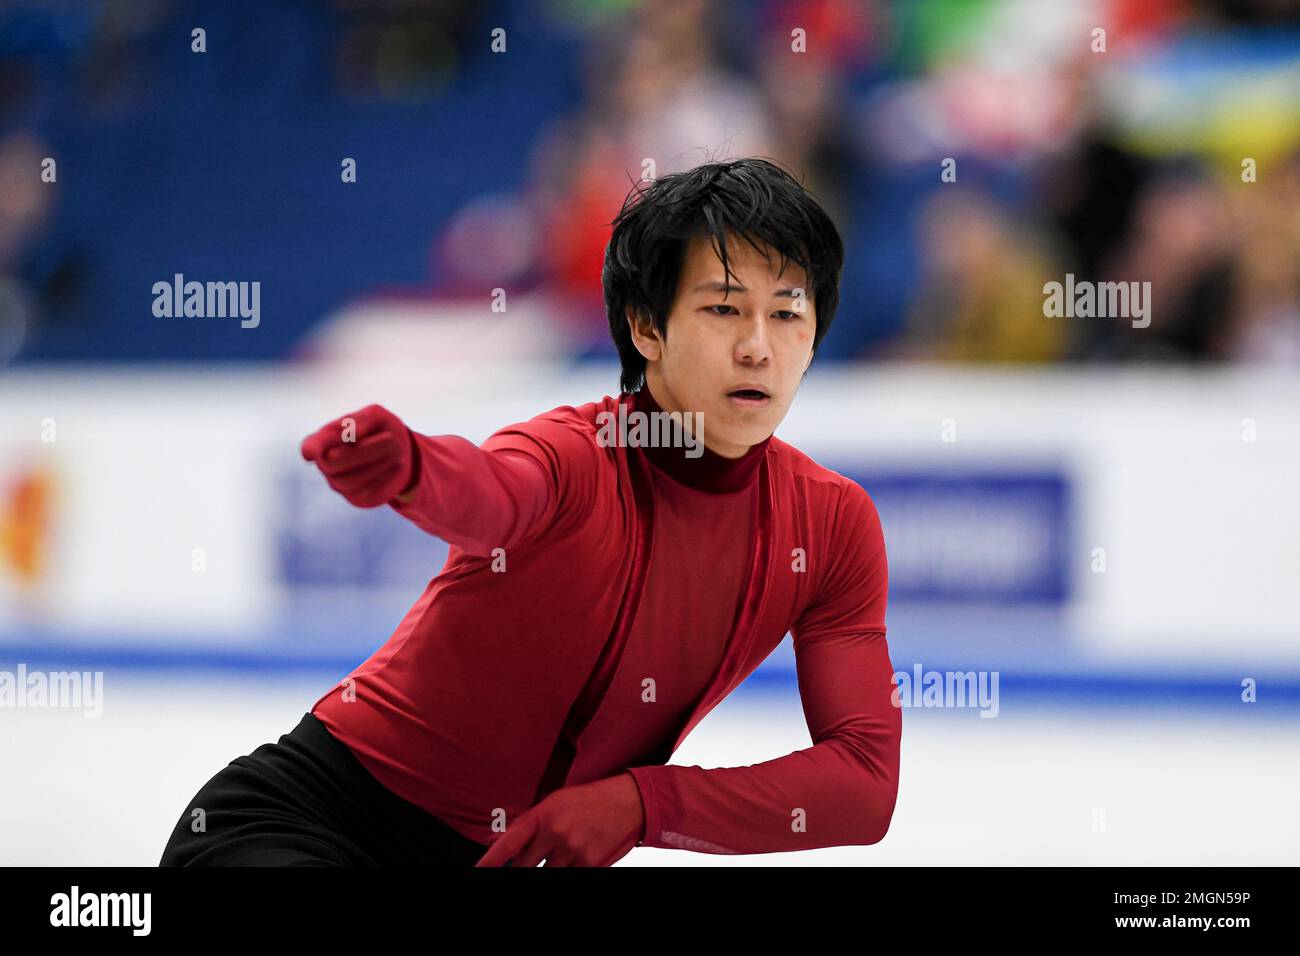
(729, 340)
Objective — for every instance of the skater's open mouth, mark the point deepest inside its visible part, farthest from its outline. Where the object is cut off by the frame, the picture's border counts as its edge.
(751, 393)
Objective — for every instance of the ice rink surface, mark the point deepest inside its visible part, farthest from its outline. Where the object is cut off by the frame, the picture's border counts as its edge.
(1038, 784)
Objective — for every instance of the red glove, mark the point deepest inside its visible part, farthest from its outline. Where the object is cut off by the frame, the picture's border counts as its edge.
(368, 457)
(588, 824)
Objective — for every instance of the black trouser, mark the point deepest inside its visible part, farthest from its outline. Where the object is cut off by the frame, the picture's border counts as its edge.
(307, 801)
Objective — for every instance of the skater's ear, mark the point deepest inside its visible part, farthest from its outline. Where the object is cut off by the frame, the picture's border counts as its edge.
(645, 335)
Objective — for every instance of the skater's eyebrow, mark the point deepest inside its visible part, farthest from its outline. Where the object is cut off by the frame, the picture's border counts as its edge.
(723, 287)
(716, 286)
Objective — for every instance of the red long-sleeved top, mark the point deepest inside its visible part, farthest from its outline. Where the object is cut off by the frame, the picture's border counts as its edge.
(598, 602)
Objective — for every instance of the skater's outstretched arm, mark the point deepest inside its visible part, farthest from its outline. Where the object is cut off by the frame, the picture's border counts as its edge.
(522, 480)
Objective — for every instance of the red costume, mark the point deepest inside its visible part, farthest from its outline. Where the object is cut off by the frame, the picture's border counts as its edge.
(598, 602)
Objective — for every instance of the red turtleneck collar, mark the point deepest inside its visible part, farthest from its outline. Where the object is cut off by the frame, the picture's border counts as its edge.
(710, 471)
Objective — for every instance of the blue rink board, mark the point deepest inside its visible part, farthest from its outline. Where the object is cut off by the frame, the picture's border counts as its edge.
(1079, 688)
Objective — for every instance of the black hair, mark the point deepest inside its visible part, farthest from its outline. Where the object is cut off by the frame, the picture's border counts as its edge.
(752, 198)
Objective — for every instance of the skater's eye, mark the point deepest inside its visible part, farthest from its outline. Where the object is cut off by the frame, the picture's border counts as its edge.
(784, 314)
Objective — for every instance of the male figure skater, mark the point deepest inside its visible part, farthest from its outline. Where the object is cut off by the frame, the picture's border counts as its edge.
(602, 596)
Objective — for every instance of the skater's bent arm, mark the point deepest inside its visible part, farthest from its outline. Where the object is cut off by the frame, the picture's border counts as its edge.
(841, 790)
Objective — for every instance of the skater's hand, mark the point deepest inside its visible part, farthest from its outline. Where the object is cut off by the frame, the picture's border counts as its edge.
(591, 824)
(366, 456)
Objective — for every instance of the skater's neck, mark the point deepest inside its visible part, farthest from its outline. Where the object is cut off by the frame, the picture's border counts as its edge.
(707, 470)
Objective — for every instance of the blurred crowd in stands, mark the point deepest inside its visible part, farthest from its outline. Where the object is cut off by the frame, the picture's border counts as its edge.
(1164, 149)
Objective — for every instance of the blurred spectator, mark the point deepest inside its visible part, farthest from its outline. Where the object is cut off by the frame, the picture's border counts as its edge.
(25, 204)
(981, 292)
(1183, 244)
(1266, 293)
